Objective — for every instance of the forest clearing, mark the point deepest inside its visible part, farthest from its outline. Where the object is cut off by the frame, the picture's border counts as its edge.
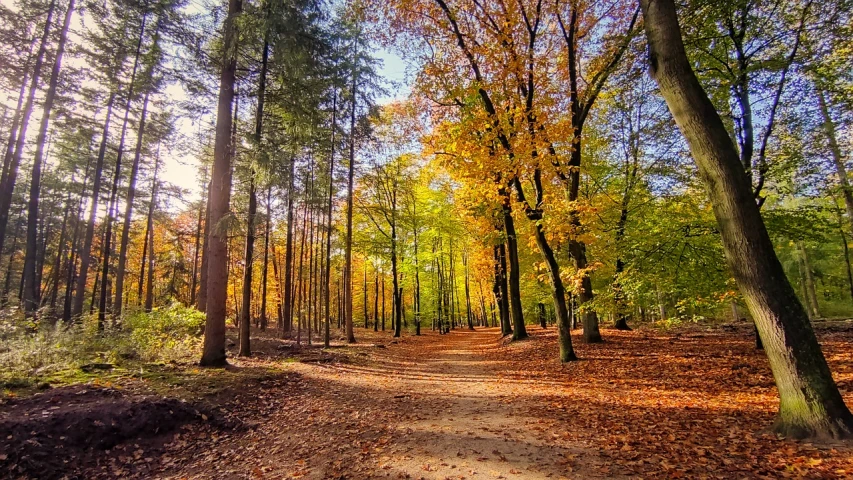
(426, 239)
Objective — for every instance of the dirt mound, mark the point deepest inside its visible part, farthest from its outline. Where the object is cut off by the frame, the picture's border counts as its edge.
(47, 435)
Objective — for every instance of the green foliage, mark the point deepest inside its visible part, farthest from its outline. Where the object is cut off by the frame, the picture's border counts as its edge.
(32, 353)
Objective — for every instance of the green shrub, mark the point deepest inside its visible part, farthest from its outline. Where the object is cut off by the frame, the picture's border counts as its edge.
(29, 351)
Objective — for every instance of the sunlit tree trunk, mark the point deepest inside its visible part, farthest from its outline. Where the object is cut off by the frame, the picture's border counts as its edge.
(810, 403)
(348, 246)
(265, 270)
(287, 322)
(330, 210)
(148, 243)
(220, 199)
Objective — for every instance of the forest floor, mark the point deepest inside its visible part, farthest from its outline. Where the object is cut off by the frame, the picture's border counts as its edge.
(694, 403)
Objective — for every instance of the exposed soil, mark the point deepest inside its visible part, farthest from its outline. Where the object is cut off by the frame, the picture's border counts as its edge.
(62, 430)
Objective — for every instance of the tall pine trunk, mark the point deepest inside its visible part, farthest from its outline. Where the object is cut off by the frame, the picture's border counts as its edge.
(149, 230)
(265, 270)
(287, 322)
(113, 204)
(246, 319)
(220, 198)
(348, 247)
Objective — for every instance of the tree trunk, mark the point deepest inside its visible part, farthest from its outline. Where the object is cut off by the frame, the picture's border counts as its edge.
(220, 199)
(501, 291)
(201, 301)
(364, 291)
(16, 119)
(330, 211)
(808, 275)
(287, 322)
(837, 157)
(810, 403)
(265, 270)
(32, 282)
(519, 332)
(469, 314)
(111, 207)
(128, 212)
(197, 250)
(348, 246)
(564, 326)
(11, 174)
(246, 319)
(148, 239)
(376, 301)
(383, 303)
(847, 262)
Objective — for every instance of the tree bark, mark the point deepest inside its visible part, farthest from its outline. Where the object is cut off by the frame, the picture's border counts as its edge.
(500, 289)
(810, 403)
(519, 332)
(112, 206)
(148, 238)
(32, 280)
(558, 291)
(220, 199)
(348, 246)
(287, 322)
(330, 210)
(246, 319)
(128, 211)
(837, 157)
(265, 270)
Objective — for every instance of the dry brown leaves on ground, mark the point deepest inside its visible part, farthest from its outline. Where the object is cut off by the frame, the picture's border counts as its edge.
(645, 404)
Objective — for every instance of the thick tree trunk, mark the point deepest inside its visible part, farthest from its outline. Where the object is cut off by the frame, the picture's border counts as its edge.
(810, 403)
(589, 318)
(395, 280)
(220, 199)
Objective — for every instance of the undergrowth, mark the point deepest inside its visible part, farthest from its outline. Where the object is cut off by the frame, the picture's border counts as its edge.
(34, 353)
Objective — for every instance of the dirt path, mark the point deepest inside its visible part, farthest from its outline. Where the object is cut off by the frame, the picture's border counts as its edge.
(430, 407)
